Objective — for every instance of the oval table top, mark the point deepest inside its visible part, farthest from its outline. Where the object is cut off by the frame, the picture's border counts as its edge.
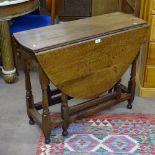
(87, 57)
(15, 8)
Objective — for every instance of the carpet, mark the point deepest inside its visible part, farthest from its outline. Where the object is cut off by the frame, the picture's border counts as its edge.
(104, 134)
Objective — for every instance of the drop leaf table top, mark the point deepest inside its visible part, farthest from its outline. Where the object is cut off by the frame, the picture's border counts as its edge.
(87, 57)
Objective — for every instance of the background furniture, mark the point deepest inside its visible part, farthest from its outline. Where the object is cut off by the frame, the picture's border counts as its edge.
(76, 9)
(131, 6)
(34, 20)
(102, 53)
(146, 72)
(53, 8)
(7, 12)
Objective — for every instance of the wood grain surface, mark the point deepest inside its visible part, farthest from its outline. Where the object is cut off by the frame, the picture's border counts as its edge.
(71, 32)
(85, 58)
(88, 69)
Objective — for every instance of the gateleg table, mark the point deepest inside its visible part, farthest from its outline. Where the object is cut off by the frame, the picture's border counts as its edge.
(84, 59)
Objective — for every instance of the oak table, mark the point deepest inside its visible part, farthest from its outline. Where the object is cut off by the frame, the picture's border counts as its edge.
(84, 59)
(8, 10)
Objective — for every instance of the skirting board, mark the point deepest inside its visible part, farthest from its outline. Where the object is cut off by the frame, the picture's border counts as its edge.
(144, 92)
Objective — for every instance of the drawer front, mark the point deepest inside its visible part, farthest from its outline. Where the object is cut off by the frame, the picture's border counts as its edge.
(151, 54)
(150, 77)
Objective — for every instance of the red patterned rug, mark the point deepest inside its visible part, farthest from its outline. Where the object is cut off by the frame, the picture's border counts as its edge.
(104, 134)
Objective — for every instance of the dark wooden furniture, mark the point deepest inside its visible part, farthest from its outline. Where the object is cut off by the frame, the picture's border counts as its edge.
(7, 12)
(84, 59)
(86, 8)
(130, 6)
(75, 9)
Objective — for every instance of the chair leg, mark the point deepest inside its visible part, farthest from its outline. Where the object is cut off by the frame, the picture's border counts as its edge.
(65, 114)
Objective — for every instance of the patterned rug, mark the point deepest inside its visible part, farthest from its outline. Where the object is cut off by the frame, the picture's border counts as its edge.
(104, 134)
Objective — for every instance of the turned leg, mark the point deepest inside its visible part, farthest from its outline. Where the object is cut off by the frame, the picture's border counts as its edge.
(65, 114)
(46, 121)
(132, 84)
(29, 96)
